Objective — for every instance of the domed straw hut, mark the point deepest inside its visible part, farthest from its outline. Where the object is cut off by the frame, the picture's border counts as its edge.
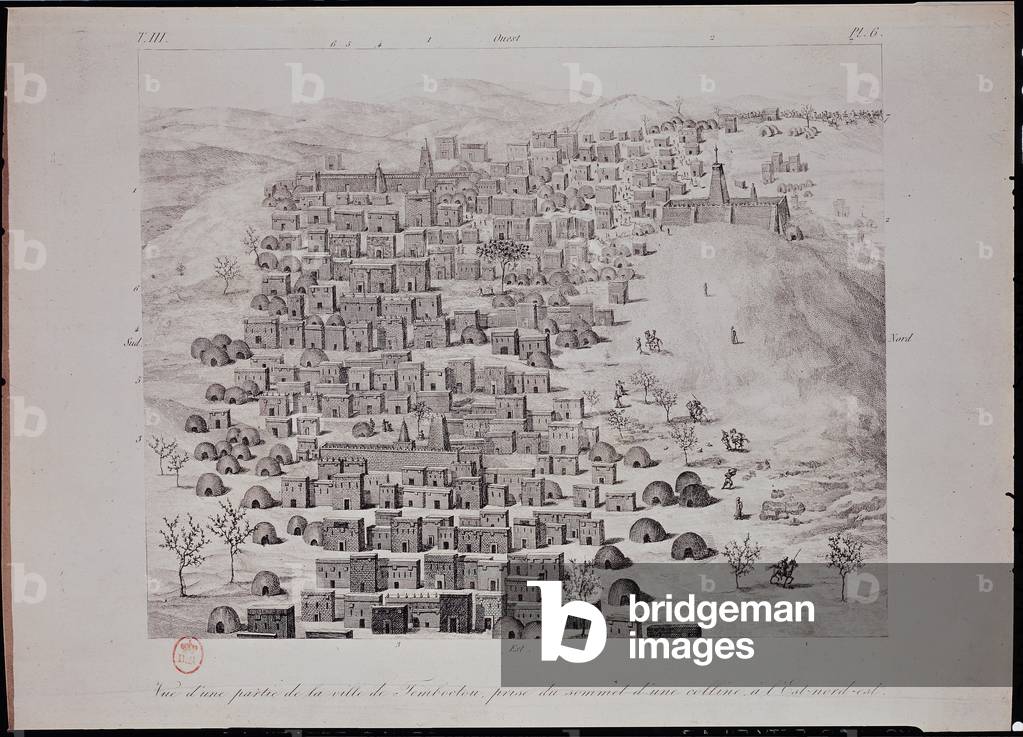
(209, 484)
(638, 457)
(266, 583)
(257, 497)
(268, 467)
(265, 533)
(647, 530)
(689, 545)
(312, 534)
(657, 493)
(223, 620)
(610, 558)
(196, 423)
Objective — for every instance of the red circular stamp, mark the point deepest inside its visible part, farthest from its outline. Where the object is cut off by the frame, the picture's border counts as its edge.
(187, 654)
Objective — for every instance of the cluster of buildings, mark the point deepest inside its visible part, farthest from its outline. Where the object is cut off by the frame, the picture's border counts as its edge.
(352, 264)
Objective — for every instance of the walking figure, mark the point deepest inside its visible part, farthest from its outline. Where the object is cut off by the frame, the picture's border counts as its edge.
(705, 292)
(738, 507)
(639, 345)
(729, 475)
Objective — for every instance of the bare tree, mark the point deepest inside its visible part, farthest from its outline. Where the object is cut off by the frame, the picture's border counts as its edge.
(421, 410)
(616, 419)
(742, 557)
(163, 448)
(645, 380)
(502, 252)
(677, 104)
(227, 268)
(665, 399)
(186, 541)
(807, 111)
(176, 462)
(592, 399)
(845, 555)
(250, 241)
(232, 527)
(684, 436)
(581, 581)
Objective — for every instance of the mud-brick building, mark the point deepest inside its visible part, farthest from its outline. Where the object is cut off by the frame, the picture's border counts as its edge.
(489, 607)
(318, 606)
(367, 572)
(359, 608)
(262, 332)
(390, 619)
(275, 621)
(456, 612)
(586, 495)
(407, 535)
(444, 571)
(297, 491)
(484, 540)
(620, 501)
(333, 573)
(591, 532)
(344, 534)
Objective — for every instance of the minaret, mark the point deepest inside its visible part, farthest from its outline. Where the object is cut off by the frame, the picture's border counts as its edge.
(752, 193)
(403, 442)
(381, 185)
(425, 161)
(718, 185)
(439, 438)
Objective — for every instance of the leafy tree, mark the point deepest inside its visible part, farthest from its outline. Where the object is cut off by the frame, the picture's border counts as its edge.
(665, 399)
(581, 581)
(592, 399)
(232, 527)
(176, 462)
(186, 541)
(844, 555)
(163, 448)
(742, 557)
(645, 380)
(227, 268)
(616, 419)
(684, 436)
(421, 410)
(502, 252)
(807, 111)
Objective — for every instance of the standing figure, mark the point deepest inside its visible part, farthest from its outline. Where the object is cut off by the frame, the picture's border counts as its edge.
(705, 292)
(735, 336)
(738, 507)
(639, 345)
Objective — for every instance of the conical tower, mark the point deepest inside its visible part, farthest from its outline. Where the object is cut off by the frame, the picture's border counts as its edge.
(403, 442)
(381, 184)
(439, 438)
(718, 185)
(425, 161)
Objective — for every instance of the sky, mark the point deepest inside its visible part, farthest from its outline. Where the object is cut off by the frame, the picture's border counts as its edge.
(262, 79)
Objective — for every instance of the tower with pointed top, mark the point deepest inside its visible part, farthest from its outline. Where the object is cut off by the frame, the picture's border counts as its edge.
(718, 185)
(380, 182)
(403, 442)
(425, 163)
(439, 438)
